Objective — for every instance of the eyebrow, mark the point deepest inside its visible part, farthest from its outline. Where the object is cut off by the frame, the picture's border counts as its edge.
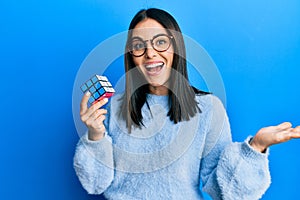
(138, 37)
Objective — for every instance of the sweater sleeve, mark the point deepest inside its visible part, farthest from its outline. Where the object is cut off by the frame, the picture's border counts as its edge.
(229, 170)
(93, 161)
(93, 164)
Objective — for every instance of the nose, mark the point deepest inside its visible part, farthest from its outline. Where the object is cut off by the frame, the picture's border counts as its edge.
(150, 52)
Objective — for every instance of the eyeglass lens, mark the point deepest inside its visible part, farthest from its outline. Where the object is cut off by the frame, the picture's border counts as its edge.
(160, 43)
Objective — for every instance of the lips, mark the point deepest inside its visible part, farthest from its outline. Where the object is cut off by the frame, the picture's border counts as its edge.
(154, 68)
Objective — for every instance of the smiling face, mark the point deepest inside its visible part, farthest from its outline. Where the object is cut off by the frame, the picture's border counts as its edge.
(155, 64)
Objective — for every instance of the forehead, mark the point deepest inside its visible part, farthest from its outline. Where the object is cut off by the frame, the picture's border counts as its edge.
(148, 28)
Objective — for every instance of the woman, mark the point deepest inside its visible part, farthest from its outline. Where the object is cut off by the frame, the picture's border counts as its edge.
(164, 139)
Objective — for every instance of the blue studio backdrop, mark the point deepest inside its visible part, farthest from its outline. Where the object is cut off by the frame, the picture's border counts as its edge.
(254, 44)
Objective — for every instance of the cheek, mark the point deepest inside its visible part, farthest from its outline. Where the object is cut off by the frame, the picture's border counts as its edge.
(138, 62)
(170, 58)
(135, 61)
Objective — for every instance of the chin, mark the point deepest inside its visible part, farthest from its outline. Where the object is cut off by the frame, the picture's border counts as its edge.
(158, 83)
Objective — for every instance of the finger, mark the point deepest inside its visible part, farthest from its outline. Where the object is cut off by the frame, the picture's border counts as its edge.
(83, 103)
(102, 102)
(282, 136)
(295, 135)
(96, 106)
(98, 114)
(284, 126)
(86, 118)
(96, 123)
(286, 135)
(100, 119)
(296, 132)
(102, 111)
(297, 129)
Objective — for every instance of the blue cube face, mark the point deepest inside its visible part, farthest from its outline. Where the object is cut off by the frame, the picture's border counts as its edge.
(93, 89)
(96, 95)
(95, 79)
(89, 83)
(98, 86)
(84, 88)
(91, 99)
(102, 91)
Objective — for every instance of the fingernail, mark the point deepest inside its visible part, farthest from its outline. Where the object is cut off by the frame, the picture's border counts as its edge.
(105, 99)
(87, 93)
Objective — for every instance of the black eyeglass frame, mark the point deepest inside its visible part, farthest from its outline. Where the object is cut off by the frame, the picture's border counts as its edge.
(151, 42)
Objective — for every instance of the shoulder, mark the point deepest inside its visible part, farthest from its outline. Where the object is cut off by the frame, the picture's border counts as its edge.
(209, 102)
(212, 110)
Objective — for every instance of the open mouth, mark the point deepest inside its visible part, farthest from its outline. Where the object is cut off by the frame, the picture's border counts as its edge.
(154, 68)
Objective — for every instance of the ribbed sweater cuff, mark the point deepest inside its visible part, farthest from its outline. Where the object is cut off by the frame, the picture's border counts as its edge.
(95, 144)
(250, 153)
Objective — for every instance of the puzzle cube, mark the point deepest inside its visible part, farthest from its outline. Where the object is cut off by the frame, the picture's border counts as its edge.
(99, 87)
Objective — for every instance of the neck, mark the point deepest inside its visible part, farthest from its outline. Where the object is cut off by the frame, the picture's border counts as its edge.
(159, 90)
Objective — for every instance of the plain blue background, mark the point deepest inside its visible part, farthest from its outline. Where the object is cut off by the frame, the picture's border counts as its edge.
(255, 45)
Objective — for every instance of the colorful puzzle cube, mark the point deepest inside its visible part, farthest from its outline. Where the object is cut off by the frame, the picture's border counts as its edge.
(99, 87)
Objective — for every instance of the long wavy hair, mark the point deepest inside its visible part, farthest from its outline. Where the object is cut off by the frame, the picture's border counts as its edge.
(182, 103)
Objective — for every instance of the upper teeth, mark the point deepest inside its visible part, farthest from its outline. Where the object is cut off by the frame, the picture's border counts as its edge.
(153, 65)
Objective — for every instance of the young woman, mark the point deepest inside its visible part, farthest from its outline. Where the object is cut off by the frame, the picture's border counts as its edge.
(164, 139)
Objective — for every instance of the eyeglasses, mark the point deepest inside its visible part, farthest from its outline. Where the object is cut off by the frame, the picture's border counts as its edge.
(161, 42)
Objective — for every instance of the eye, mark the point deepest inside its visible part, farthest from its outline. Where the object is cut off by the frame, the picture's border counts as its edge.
(137, 45)
(161, 42)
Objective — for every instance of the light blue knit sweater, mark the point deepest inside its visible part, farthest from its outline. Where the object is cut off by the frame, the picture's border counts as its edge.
(165, 161)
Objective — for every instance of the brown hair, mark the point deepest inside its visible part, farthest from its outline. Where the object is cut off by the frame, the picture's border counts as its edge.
(182, 103)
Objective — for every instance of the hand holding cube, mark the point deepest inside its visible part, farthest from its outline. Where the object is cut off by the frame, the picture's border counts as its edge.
(99, 90)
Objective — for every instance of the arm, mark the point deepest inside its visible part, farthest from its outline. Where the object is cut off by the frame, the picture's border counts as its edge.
(93, 160)
(231, 170)
(93, 164)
